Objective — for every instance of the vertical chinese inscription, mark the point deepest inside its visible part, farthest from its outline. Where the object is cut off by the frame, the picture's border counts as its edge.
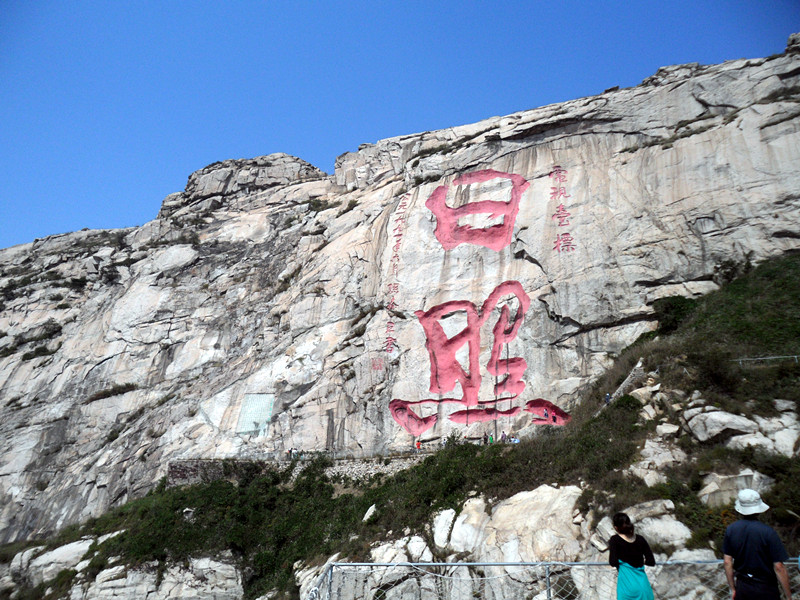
(393, 285)
(564, 241)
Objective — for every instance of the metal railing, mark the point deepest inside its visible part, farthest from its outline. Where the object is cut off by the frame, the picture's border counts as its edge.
(795, 357)
(678, 580)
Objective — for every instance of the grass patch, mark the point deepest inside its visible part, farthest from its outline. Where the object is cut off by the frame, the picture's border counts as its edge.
(39, 351)
(47, 331)
(115, 390)
(699, 341)
(318, 204)
(350, 206)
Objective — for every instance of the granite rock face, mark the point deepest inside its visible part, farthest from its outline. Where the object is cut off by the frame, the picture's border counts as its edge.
(435, 283)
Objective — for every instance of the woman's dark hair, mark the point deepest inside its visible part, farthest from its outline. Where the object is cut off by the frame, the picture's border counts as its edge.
(622, 523)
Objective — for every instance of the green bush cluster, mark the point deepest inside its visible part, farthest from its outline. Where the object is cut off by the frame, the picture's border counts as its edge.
(114, 390)
(698, 345)
(319, 204)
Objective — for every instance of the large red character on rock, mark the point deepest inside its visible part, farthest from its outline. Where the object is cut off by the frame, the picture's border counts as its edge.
(450, 234)
(447, 372)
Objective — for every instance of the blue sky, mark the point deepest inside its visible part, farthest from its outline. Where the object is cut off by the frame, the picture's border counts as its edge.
(107, 107)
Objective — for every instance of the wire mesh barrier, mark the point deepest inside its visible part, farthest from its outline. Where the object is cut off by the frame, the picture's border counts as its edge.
(684, 580)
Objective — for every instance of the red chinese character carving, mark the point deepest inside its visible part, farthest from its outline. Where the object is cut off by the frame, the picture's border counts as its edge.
(392, 304)
(558, 174)
(390, 344)
(393, 288)
(546, 413)
(447, 372)
(562, 215)
(558, 192)
(450, 234)
(377, 364)
(564, 243)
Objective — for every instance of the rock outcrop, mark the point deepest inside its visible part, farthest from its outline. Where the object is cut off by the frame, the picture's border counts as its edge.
(434, 283)
(541, 525)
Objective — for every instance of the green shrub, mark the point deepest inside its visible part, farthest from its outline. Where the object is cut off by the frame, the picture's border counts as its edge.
(350, 206)
(77, 283)
(115, 390)
(673, 311)
(318, 204)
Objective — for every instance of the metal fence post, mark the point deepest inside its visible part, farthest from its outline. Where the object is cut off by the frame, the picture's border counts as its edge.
(547, 579)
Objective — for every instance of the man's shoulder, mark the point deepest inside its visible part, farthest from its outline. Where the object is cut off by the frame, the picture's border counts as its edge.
(748, 524)
(737, 526)
(748, 527)
(752, 530)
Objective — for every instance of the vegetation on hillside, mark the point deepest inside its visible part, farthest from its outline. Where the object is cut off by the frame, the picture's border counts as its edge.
(269, 521)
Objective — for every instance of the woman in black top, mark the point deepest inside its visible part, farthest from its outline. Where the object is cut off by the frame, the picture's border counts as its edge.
(628, 553)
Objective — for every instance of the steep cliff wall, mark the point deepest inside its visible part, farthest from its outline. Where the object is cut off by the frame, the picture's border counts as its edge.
(455, 279)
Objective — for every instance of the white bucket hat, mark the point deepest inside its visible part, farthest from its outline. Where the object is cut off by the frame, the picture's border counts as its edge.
(749, 503)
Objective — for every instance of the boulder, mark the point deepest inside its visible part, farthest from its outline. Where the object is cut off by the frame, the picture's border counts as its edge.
(752, 440)
(201, 579)
(468, 531)
(719, 490)
(533, 526)
(667, 429)
(442, 523)
(656, 456)
(652, 520)
(20, 564)
(665, 531)
(47, 565)
(708, 424)
(370, 511)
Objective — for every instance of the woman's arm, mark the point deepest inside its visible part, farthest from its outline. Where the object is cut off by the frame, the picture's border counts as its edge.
(649, 559)
(613, 558)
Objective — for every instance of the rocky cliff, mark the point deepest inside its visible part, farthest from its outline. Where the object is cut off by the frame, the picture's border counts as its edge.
(472, 278)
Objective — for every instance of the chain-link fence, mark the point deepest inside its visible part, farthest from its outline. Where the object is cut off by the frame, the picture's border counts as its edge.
(678, 580)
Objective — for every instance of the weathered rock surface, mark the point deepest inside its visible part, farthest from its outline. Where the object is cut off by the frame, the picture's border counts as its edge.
(531, 526)
(271, 307)
(776, 435)
(47, 565)
(719, 490)
(203, 579)
(657, 455)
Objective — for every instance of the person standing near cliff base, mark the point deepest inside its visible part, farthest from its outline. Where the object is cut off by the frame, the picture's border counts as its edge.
(753, 554)
(629, 553)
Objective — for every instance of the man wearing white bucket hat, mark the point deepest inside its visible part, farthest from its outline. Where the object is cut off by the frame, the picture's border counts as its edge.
(754, 553)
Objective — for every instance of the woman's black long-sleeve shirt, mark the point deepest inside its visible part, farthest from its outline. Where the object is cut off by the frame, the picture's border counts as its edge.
(636, 553)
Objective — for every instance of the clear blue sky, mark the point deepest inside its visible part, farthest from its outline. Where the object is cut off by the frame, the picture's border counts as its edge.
(106, 107)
